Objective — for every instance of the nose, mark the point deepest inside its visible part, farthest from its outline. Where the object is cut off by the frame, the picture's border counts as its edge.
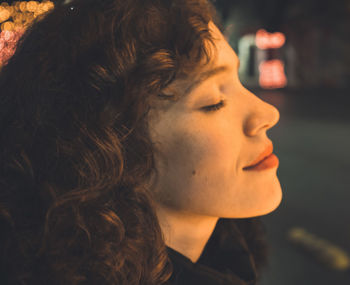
(261, 116)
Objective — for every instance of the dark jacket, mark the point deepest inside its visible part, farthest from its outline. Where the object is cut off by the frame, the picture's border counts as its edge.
(225, 260)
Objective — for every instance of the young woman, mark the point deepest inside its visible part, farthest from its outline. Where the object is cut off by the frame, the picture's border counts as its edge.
(126, 140)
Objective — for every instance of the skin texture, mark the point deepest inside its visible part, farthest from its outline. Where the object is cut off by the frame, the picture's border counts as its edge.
(201, 156)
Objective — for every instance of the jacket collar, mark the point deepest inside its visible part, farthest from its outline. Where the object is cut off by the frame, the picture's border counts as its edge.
(225, 259)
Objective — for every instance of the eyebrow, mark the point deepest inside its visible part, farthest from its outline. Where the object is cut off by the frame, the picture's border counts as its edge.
(207, 74)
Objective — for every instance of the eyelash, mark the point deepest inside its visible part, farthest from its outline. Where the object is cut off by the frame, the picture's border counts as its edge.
(215, 107)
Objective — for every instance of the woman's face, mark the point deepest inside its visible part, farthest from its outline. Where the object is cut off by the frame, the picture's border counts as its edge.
(202, 154)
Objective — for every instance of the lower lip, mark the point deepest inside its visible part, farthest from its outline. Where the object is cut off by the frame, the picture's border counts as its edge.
(268, 162)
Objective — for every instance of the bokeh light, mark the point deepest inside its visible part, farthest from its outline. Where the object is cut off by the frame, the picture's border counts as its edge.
(272, 74)
(14, 20)
(266, 40)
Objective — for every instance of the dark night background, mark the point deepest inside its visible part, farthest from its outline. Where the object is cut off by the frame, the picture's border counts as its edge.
(312, 138)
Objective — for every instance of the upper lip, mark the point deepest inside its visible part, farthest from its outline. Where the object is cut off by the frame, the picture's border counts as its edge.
(268, 151)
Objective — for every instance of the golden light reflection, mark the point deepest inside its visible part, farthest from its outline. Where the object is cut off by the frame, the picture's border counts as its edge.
(4, 14)
(14, 19)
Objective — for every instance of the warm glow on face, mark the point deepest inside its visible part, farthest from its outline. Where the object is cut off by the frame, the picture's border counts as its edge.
(266, 40)
(201, 154)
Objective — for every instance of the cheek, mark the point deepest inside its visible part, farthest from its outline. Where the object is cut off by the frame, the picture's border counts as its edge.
(184, 149)
(206, 147)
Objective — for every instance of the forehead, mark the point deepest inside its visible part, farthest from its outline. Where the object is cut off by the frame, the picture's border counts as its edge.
(225, 55)
(223, 60)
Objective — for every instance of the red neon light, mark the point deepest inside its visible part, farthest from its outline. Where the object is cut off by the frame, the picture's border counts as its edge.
(272, 74)
(266, 40)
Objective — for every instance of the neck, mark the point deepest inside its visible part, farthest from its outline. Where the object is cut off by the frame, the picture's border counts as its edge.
(186, 233)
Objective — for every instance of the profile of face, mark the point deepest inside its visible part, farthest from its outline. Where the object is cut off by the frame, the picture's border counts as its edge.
(202, 152)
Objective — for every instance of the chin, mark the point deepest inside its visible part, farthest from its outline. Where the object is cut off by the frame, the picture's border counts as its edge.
(261, 209)
(272, 205)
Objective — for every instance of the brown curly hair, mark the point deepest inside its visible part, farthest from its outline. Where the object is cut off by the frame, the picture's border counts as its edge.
(74, 145)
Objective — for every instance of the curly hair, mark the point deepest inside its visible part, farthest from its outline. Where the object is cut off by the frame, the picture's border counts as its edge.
(74, 142)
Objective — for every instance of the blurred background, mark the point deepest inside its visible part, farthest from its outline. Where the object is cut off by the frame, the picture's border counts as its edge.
(296, 56)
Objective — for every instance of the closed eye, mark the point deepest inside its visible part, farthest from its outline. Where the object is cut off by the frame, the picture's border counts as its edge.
(215, 107)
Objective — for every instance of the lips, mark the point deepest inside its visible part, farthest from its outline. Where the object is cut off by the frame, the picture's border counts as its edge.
(268, 151)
